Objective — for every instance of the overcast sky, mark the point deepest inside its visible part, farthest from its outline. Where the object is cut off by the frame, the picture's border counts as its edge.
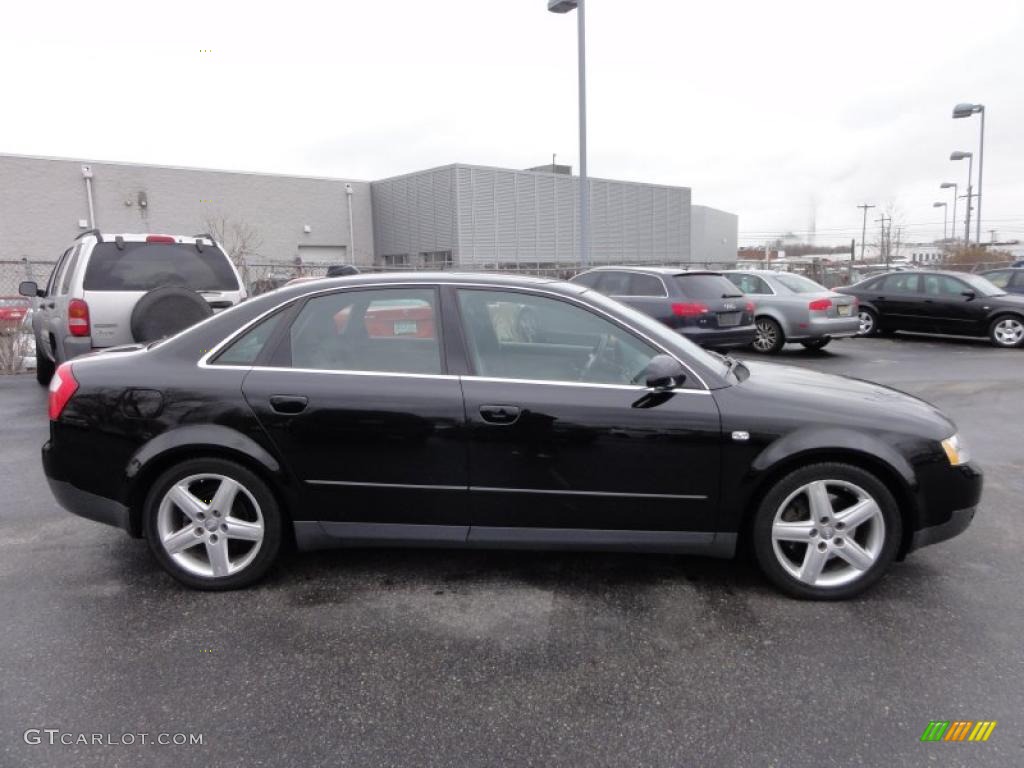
(786, 112)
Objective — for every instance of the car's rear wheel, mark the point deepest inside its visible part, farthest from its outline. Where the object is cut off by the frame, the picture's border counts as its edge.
(45, 367)
(817, 343)
(770, 338)
(826, 532)
(868, 322)
(1007, 331)
(213, 524)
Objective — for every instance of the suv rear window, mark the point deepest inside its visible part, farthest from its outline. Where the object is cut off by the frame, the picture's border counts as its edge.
(707, 287)
(145, 266)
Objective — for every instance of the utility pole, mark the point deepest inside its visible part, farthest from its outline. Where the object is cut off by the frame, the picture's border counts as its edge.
(864, 228)
(992, 232)
(853, 256)
(883, 241)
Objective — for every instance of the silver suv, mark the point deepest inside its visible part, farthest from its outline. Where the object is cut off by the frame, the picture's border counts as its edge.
(113, 289)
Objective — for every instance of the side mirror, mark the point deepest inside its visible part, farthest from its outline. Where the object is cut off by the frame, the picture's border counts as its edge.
(969, 295)
(28, 288)
(664, 373)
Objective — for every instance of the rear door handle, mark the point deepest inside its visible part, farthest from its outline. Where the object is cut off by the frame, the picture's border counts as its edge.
(499, 414)
(289, 404)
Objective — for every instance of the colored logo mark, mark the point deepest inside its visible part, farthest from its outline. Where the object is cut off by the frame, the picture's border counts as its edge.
(958, 730)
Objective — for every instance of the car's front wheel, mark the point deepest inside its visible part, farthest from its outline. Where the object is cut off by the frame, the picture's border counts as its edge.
(1007, 331)
(827, 531)
(212, 524)
(770, 338)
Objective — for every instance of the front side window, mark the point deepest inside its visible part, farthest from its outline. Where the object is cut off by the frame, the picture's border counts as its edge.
(145, 266)
(387, 330)
(517, 335)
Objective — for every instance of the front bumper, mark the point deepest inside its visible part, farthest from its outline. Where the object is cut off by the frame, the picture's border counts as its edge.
(933, 534)
(947, 500)
(721, 337)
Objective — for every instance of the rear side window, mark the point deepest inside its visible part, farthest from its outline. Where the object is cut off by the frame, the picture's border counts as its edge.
(645, 285)
(707, 287)
(800, 284)
(588, 279)
(245, 349)
(900, 282)
(614, 284)
(999, 279)
(145, 266)
(751, 284)
(69, 271)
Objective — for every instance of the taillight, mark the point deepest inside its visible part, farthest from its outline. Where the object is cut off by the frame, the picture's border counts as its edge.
(750, 306)
(819, 304)
(78, 317)
(159, 239)
(62, 386)
(689, 309)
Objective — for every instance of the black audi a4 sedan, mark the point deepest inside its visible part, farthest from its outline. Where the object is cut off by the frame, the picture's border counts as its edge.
(703, 306)
(952, 303)
(492, 411)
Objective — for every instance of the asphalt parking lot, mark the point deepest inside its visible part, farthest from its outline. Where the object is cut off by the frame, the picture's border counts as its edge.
(434, 657)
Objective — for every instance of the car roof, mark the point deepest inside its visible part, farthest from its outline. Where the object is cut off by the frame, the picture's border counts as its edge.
(495, 279)
(665, 271)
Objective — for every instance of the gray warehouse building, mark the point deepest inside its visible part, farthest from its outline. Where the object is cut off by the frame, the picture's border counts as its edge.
(457, 215)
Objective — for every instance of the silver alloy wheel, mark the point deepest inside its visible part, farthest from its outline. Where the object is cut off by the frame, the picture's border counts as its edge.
(823, 546)
(1008, 332)
(867, 322)
(767, 335)
(216, 511)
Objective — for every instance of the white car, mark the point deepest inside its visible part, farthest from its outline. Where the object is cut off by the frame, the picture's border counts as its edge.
(113, 289)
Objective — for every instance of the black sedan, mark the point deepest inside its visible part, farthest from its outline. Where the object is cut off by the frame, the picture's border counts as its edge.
(703, 306)
(489, 411)
(953, 303)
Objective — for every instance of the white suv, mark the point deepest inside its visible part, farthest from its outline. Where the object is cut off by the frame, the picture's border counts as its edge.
(113, 289)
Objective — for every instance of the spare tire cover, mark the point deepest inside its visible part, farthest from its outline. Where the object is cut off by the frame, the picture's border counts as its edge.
(167, 310)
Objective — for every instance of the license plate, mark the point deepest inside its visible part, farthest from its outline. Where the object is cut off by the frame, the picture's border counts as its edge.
(726, 319)
(405, 327)
(844, 310)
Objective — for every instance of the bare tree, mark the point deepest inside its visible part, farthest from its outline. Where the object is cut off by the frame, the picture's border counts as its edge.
(240, 239)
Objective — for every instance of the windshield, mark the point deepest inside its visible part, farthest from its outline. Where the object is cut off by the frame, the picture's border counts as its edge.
(982, 285)
(707, 287)
(663, 334)
(145, 266)
(799, 284)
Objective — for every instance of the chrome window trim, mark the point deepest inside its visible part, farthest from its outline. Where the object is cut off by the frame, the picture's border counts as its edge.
(204, 361)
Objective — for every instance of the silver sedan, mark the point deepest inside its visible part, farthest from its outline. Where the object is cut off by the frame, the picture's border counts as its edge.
(793, 308)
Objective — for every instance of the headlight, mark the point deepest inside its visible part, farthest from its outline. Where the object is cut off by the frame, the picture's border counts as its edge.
(956, 451)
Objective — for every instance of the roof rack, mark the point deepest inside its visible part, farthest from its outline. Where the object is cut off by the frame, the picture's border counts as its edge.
(99, 235)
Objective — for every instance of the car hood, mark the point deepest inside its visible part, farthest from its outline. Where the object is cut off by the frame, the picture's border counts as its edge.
(829, 399)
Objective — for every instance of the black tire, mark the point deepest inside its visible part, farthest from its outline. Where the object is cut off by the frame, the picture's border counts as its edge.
(1007, 331)
(890, 532)
(165, 311)
(268, 507)
(770, 338)
(868, 322)
(45, 367)
(816, 344)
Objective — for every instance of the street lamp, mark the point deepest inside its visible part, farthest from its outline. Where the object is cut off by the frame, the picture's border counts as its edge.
(945, 210)
(955, 188)
(970, 173)
(966, 110)
(564, 6)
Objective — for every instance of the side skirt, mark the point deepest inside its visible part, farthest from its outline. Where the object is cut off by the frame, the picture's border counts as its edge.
(312, 535)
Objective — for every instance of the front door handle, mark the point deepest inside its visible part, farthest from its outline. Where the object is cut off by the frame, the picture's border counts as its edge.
(499, 414)
(289, 404)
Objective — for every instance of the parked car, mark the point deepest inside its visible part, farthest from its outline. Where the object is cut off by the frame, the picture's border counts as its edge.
(590, 426)
(701, 305)
(1010, 280)
(335, 270)
(1018, 263)
(939, 302)
(113, 289)
(13, 310)
(794, 308)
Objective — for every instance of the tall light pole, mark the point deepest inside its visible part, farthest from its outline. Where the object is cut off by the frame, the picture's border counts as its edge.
(864, 228)
(351, 230)
(955, 188)
(945, 220)
(564, 6)
(970, 175)
(966, 110)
